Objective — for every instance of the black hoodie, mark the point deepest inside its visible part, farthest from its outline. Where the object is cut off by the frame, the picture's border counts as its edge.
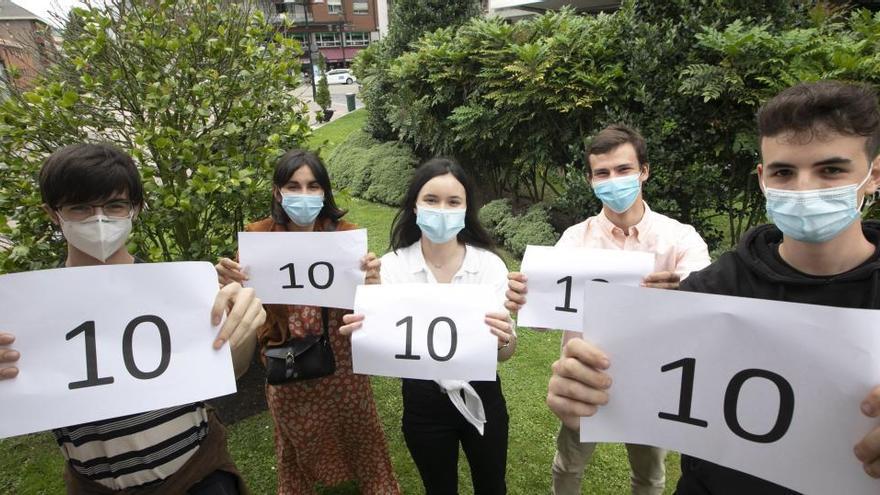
(756, 270)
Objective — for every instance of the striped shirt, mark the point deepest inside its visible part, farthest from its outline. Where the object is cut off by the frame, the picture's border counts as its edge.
(137, 450)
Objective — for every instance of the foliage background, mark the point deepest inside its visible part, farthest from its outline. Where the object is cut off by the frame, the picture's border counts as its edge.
(516, 103)
(198, 91)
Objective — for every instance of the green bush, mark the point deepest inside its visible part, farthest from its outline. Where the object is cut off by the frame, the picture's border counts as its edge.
(494, 213)
(199, 93)
(372, 170)
(531, 228)
(391, 166)
(515, 232)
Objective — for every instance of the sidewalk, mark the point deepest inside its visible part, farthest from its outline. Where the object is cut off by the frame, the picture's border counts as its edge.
(337, 96)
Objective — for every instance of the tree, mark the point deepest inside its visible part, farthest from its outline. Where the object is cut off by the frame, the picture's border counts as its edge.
(198, 91)
(409, 19)
(322, 97)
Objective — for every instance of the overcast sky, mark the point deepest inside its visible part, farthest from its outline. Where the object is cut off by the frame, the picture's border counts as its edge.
(43, 7)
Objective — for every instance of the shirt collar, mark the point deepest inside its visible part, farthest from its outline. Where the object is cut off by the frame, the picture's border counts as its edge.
(415, 260)
(643, 226)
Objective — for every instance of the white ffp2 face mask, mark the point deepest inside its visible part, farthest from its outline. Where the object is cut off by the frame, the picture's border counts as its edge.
(98, 236)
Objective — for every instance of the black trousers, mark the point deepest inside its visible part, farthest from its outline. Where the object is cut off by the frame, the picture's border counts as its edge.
(217, 483)
(433, 429)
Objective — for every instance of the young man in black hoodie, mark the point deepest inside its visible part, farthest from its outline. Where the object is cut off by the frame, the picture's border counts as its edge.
(819, 148)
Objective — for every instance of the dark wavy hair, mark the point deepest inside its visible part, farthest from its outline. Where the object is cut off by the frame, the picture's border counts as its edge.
(807, 109)
(405, 231)
(290, 163)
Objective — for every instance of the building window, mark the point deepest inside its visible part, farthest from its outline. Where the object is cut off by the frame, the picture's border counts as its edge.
(360, 7)
(334, 6)
(328, 40)
(357, 39)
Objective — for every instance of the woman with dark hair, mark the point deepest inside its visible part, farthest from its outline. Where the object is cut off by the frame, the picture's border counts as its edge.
(437, 238)
(327, 429)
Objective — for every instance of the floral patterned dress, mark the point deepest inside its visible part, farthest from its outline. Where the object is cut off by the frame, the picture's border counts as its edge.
(327, 430)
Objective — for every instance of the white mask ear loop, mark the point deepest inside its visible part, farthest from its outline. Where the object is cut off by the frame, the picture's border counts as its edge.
(865, 201)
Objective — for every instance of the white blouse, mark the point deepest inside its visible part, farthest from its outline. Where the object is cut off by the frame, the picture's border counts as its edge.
(479, 266)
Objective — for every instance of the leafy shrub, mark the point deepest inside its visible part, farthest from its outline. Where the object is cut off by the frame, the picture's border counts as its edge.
(515, 232)
(372, 170)
(199, 93)
(493, 213)
(531, 228)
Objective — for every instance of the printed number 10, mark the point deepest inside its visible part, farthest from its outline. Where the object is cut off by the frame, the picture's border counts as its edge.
(92, 378)
(731, 401)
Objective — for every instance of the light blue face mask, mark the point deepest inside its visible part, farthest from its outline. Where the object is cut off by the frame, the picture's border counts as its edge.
(817, 215)
(439, 225)
(618, 193)
(303, 209)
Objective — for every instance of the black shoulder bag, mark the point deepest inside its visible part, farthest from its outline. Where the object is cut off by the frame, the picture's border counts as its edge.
(301, 358)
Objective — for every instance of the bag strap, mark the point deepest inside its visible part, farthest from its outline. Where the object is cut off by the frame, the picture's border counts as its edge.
(325, 317)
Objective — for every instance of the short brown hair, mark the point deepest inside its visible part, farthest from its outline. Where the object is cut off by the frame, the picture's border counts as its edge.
(810, 108)
(614, 136)
(86, 172)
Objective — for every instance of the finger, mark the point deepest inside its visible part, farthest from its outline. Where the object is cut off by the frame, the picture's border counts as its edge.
(662, 277)
(352, 318)
(221, 302)
(249, 323)
(515, 297)
(579, 391)
(868, 449)
(518, 276)
(661, 285)
(233, 275)
(512, 306)
(230, 264)
(500, 325)
(871, 405)
(503, 337)
(240, 306)
(6, 338)
(570, 411)
(348, 329)
(573, 369)
(9, 355)
(586, 353)
(518, 287)
(872, 469)
(6, 373)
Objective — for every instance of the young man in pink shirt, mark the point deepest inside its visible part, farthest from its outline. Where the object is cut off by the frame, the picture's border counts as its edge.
(618, 166)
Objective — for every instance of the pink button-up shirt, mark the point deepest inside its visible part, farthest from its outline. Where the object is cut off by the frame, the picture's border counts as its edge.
(677, 247)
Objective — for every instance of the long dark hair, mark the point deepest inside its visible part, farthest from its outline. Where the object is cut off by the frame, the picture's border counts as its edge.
(290, 163)
(405, 231)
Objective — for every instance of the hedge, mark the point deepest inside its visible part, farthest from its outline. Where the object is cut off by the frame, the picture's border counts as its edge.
(372, 170)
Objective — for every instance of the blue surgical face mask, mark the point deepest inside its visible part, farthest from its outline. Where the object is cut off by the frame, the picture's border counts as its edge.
(303, 209)
(817, 215)
(438, 225)
(619, 193)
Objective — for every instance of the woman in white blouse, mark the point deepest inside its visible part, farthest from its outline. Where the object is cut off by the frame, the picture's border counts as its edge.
(437, 238)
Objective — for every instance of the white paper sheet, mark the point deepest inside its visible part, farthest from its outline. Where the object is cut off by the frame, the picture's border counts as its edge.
(43, 308)
(295, 267)
(556, 277)
(389, 310)
(829, 356)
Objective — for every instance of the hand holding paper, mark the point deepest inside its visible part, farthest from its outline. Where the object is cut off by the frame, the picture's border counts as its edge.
(579, 384)
(8, 357)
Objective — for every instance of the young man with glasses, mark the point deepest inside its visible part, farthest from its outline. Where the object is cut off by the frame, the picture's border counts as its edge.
(94, 192)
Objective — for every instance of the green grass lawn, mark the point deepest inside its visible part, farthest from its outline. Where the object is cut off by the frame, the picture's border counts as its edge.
(31, 464)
